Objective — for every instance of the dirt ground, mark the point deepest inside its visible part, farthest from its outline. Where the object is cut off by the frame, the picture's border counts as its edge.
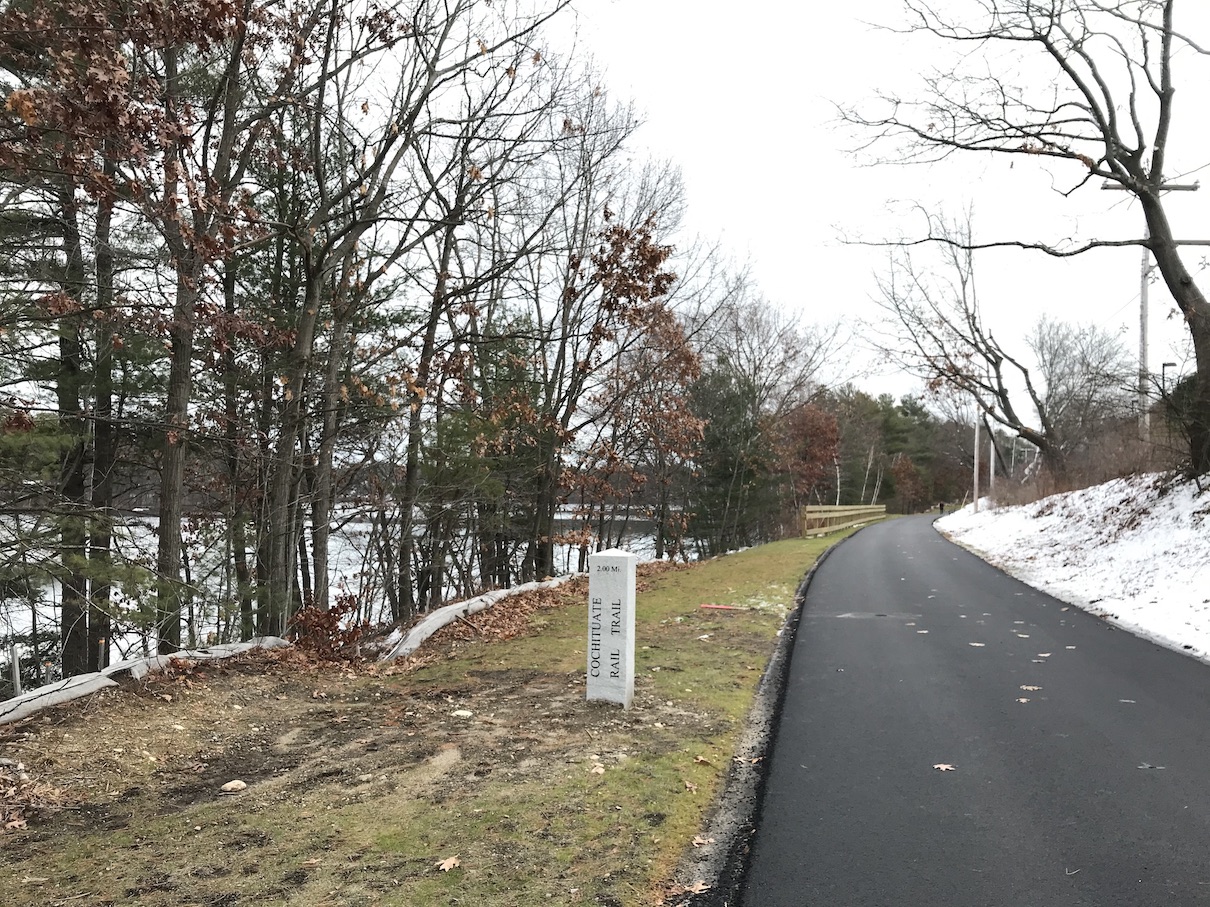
(348, 770)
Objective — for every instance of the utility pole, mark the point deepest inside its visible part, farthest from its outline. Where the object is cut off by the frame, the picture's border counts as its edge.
(991, 464)
(1144, 379)
(1144, 409)
(977, 461)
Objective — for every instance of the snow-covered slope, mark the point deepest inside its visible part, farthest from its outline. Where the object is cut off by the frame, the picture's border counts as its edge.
(1135, 551)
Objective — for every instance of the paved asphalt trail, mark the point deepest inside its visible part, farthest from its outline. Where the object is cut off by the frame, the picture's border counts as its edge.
(1046, 805)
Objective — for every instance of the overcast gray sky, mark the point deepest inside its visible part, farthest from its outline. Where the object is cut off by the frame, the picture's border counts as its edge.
(742, 97)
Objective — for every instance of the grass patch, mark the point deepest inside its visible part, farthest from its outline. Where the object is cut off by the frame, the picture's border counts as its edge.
(362, 780)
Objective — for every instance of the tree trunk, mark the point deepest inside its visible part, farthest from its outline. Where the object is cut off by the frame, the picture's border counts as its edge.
(264, 472)
(237, 516)
(411, 477)
(73, 611)
(283, 505)
(180, 238)
(323, 489)
(543, 546)
(172, 466)
(660, 511)
(1194, 306)
(104, 449)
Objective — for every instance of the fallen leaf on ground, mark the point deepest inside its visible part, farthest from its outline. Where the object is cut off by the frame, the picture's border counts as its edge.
(702, 760)
(232, 787)
(597, 769)
(1044, 655)
(699, 841)
(1030, 687)
(314, 861)
(944, 767)
(690, 786)
(1022, 700)
(977, 645)
(448, 863)
(21, 797)
(697, 887)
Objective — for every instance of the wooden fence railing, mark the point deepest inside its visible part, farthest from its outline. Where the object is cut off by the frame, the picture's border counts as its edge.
(820, 520)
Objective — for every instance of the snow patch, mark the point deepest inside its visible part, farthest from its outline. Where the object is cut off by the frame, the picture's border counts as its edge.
(1133, 551)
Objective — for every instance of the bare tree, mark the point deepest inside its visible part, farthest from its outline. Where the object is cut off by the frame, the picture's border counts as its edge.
(1085, 373)
(1106, 115)
(934, 329)
(780, 358)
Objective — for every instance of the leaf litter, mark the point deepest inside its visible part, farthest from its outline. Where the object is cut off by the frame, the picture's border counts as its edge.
(24, 799)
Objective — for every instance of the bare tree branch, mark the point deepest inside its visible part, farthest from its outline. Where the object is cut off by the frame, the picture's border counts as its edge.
(1108, 109)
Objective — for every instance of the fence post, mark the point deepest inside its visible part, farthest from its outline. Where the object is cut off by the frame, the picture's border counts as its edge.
(15, 665)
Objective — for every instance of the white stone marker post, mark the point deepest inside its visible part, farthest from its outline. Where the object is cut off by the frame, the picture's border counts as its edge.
(611, 626)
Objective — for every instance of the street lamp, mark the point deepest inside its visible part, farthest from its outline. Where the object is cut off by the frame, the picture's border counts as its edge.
(1164, 377)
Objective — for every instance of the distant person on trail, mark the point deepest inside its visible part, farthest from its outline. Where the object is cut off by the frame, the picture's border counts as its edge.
(941, 507)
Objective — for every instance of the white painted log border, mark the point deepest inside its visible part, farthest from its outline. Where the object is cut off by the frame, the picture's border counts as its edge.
(85, 684)
(431, 623)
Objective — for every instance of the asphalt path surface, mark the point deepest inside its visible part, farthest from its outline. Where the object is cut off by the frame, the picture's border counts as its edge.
(1080, 754)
